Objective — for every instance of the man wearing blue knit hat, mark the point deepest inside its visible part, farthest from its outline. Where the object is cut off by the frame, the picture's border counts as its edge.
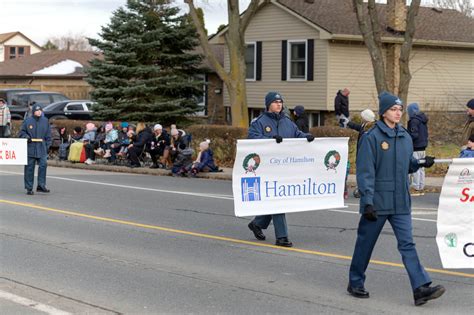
(274, 124)
(384, 160)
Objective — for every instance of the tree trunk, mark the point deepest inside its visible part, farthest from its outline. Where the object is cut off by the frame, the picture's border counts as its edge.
(234, 80)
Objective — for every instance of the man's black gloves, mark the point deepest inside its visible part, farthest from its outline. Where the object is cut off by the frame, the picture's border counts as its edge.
(310, 138)
(370, 214)
(29, 139)
(278, 138)
(429, 161)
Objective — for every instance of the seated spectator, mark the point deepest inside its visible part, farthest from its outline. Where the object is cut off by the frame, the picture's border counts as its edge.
(76, 135)
(178, 136)
(204, 161)
(111, 136)
(183, 160)
(55, 136)
(160, 141)
(468, 152)
(121, 147)
(143, 139)
(89, 142)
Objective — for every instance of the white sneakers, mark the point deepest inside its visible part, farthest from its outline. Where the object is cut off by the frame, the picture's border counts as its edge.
(89, 162)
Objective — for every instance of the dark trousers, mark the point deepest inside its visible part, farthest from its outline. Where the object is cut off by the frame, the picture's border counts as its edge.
(90, 154)
(367, 235)
(133, 155)
(155, 154)
(279, 223)
(29, 175)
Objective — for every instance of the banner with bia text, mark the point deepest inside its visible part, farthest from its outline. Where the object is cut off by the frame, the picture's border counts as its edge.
(13, 151)
(291, 176)
(455, 236)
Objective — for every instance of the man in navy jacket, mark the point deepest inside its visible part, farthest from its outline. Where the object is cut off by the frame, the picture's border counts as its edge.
(273, 123)
(37, 130)
(384, 161)
(418, 130)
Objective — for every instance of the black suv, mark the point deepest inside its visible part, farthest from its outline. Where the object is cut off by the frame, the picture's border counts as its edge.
(19, 104)
(7, 94)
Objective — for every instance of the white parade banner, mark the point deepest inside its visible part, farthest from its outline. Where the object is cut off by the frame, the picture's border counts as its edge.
(455, 224)
(291, 176)
(13, 151)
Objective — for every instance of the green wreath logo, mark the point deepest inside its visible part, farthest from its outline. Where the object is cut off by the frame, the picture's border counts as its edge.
(332, 160)
(251, 163)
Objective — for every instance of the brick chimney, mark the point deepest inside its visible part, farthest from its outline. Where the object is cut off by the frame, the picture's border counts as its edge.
(396, 15)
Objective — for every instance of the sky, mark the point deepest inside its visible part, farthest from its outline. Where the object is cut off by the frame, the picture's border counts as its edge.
(40, 20)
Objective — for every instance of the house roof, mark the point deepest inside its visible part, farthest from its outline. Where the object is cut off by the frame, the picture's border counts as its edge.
(6, 36)
(27, 65)
(338, 17)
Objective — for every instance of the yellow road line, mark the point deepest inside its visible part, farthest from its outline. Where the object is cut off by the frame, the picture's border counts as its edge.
(222, 238)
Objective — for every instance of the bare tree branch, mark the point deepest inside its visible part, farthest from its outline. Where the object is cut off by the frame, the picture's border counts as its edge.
(249, 13)
(205, 43)
(405, 76)
(374, 47)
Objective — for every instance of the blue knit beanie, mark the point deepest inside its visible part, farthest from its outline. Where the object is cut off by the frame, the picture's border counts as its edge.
(271, 97)
(387, 100)
(299, 110)
(412, 109)
(36, 107)
(470, 104)
(124, 124)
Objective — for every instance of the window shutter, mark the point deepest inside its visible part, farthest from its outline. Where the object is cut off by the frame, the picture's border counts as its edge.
(258, 62)
(7, 52)
(27, 50)
(284, 58)
(310, 65)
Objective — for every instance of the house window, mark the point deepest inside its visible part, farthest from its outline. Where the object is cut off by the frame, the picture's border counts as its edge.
(16, 52)
(297, 60)
(250, 58)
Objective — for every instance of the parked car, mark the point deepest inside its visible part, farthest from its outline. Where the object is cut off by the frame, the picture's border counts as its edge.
(71, 109)
(20, 101)
(7, 94)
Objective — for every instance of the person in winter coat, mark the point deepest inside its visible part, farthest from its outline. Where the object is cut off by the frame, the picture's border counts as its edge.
(143, 139)
(302, 121)
(418, 130)
(384, 159)
(468, 152)
(341, 107)
(36, 129)
(468, 129)
(160, 141)
(178, 136)
(274, 124)
(5, 119)
(368, 121)
(183, 161)
(89, 140)
(204, 161)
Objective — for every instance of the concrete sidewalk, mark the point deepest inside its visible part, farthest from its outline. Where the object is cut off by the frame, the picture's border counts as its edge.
(433, 184)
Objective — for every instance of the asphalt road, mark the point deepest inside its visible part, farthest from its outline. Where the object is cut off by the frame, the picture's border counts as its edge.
(137, 244)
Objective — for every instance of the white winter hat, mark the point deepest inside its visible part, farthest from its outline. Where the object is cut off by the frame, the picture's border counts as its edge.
(205, 144)
(158, 126)
(368, 115)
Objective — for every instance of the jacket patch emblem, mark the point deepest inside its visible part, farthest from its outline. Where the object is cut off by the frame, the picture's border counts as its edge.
(268, 129)
(30, 126)
(385, 146)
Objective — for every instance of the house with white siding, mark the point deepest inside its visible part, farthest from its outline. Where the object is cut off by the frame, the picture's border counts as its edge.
(15, 45)
(309, 49)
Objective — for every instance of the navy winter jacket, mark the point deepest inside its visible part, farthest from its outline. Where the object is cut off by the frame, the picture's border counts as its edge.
(207, 159)
(384, 160)
(269, 124)
(36, 128)
(418, 129)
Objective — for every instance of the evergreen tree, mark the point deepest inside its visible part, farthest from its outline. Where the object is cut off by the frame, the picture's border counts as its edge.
(147, 73)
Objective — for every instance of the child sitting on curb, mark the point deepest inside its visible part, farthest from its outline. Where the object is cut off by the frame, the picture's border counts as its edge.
(204, 161)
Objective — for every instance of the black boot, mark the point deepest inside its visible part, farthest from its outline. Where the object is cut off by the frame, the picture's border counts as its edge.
(360, 293)
(257, 231)
(283, 241)
(425, 293)
(42, 189)
(30, 192)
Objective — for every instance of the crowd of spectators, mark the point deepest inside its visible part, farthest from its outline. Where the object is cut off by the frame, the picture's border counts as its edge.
(133, 146)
